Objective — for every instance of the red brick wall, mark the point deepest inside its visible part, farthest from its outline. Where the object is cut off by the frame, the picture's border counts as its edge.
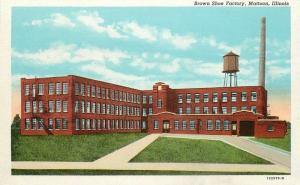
(279, 128)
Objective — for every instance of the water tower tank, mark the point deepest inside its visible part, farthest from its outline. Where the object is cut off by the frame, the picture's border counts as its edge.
(231, 63)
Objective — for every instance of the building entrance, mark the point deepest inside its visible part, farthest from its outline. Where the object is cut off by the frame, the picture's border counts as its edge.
(166, 126)
(246, 128)
(233, 127)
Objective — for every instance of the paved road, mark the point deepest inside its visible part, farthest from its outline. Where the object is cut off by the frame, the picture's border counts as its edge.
(119, 159)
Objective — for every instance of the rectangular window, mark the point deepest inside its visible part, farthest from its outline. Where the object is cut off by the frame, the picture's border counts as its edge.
(76, 106)
(93, 91)
(34, 122)
(197, 110)
(253, 96)
(103, 109)
(176, 125)
(270, 128)
(58, 88)
(41, 123)
(155, 124)
(26, 90)
(108, 124)
(224, 97)
(50, 124)
(117, 95)
(188, 110)
(33, 90)
(233, 96)
(180, 110)
(150, 99)
(34, 106)
(205, 97)
(41, 108)
(243, 108)
(253, 109)
(51, 88)
(112, 94)
(88, 124)
(192, 124)
(65, 88)
(27, 106)
(94, 108)
(41, 89)
(103, 93)
(188, 98)
(215, 97)
(226, 125)
(215, 110)
(98, 124)
(107, 109)
(205, 110)
(244, 96)
(82, 107)
(65, 106)
(82, 124)
(94, 124)
(107, 93)
(103, 124)
(224, 110)
(51, 106)
(117, 110)
(98, 92)
(159, 103)
(65, 124)
(27, 123)
(77, 89)
(88, 90)
(82, 89)
(57, 123)
(197, 98)
(218, 125)
(112, 109)
(144, 99)
(233, 109)
(98, 108)
(77, 124)
(88, 107)
(58, 106)
(150, 111)
(179, 98)
(209, 125)
(183, 125)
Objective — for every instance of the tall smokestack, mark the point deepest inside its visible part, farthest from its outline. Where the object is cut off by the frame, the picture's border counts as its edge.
(262, 53)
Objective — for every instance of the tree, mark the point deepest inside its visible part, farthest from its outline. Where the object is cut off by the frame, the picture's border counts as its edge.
(16, 122)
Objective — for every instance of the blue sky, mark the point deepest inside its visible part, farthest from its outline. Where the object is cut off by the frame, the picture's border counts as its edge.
(140, 46)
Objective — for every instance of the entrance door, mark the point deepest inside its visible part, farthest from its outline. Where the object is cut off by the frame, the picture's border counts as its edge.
(246, 128)
(166, 126)
(233, 127)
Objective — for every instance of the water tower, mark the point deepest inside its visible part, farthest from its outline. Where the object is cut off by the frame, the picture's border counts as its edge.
(230, 68)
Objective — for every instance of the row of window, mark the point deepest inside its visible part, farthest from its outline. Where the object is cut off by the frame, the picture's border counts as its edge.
(53, 106)
(105, 124)
(53, 88)
(215, 97)
(214, 110)
(39, 124)
(93, 107)
(184, 125)
(105, 93)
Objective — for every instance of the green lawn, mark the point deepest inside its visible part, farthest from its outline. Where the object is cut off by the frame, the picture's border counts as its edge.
(132, 172)
(68, 148)
(196, 151)
(283, 143)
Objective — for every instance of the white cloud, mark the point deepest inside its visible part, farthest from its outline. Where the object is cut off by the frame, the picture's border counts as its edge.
(111, 75)
(56, 53)
(99, 55)
(171, 67)
(59, 53)
(61, 20)
(209, 69)
(141, 64)
(56, 19)
(145, 32)
(178, 41)
(212, 42)
(95, 22)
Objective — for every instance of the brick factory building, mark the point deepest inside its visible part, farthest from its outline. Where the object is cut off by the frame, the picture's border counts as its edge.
(73, 105)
